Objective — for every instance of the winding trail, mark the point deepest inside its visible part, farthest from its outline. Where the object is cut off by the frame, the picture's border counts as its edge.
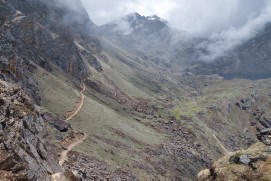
(63, 156)
(79, 106)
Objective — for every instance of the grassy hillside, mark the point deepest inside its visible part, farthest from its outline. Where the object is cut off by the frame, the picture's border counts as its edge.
(195, 118)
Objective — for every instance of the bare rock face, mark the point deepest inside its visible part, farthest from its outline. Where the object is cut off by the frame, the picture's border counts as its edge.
(47, 34)
(56, 122)
(25, 153)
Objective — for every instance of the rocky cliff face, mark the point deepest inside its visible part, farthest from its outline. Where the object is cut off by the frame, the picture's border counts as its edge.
(25, 151)
(36, 34)
(48, 34)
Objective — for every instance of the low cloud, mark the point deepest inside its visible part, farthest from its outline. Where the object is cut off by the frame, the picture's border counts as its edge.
(226, 23)
(220, 42)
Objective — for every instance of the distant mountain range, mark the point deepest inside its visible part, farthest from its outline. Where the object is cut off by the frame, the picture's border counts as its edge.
(154, 40)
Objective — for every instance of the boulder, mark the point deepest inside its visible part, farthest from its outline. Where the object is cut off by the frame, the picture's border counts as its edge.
(57, 123)
(265, 131)
(244, 159)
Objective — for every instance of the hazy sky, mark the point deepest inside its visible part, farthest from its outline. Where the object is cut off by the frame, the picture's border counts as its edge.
(195, 16)
(226, 23)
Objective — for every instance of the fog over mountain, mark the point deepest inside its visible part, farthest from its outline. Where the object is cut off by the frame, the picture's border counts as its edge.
(226, 23)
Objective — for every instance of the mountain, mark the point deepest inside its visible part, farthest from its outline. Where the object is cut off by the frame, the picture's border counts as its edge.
(149, 37)
(250, 60)
(169, 47)
(29, 37)
(134, 28)
(123, 101)
(26, 152)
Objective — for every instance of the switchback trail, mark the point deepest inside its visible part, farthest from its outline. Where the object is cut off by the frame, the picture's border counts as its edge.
(63, 156)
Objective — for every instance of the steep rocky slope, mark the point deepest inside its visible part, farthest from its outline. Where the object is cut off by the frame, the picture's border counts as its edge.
(25, 150)
(43, 33)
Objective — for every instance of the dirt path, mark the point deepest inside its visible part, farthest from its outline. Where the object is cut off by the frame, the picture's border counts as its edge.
(63, 156)
(82, 97)
(79, 105)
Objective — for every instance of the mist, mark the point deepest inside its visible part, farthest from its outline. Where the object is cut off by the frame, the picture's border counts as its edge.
(225, 23)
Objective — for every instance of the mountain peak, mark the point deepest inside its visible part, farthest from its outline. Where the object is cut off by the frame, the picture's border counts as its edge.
(136, 17)
(135, 21)
(134, 14)
(157, 18)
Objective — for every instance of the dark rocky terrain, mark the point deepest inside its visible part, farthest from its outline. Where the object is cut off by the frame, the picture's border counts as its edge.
(151, 109)
(25, 152)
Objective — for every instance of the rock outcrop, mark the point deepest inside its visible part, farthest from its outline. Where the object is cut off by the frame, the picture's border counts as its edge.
(49, 34)
(251, 164)
(56, 122)
(25, 152)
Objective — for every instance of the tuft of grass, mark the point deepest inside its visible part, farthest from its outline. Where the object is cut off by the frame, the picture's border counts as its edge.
(186, 110)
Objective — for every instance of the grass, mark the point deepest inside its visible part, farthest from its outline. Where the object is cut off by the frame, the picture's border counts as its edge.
(125, 79)
(187, 109)
(119, 140)
(98, 120)
(231, 171)
(58, 94)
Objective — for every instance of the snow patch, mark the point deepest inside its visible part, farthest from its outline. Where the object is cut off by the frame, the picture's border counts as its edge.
(80, 47)
(18, 17)
(54, 35)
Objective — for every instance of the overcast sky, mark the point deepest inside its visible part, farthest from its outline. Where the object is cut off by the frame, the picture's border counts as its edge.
(194, 16)
(227, 23)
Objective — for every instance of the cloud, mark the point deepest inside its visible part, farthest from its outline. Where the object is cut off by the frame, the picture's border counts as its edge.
(227, 23)
(199, 17)
(220, 42)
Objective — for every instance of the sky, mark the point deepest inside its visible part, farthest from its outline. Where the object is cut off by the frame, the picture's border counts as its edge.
(201, 17)
(226, 22)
